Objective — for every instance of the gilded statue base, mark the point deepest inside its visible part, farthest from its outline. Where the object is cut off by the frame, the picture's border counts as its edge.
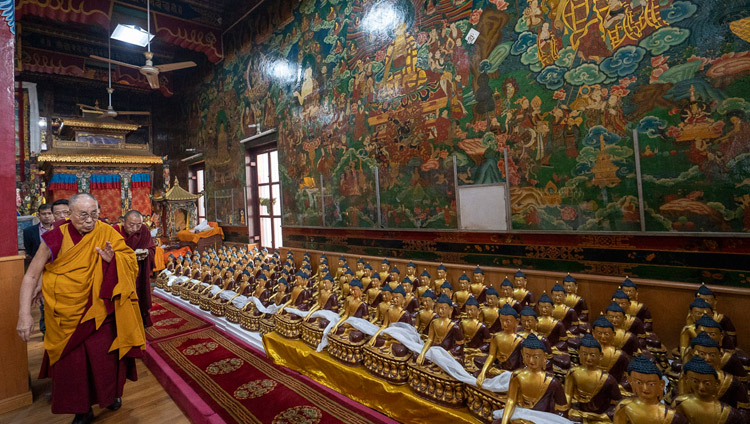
(661, 356)
(267, 325)
(195, 297)
(232, 313)
(287, 326)
(386, 366)
(342, 349)
(185, 292)
(432, 383)
(217, 307)
(176, 289)
(161, 283)
(249, 321)
(311, 333)
(205, 302)
(482, 403)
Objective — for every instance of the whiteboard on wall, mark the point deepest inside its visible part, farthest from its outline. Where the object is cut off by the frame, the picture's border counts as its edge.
(483, 207)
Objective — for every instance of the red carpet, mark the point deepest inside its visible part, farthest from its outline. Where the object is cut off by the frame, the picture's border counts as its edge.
(170, 320)
(238, 386)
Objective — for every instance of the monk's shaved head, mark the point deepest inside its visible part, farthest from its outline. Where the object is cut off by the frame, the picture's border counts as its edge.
(84, 212)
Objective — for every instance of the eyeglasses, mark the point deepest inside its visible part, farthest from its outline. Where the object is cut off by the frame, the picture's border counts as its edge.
(85, 216)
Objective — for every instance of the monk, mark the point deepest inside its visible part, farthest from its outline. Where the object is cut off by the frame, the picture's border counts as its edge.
(94, 328)
(138, 237)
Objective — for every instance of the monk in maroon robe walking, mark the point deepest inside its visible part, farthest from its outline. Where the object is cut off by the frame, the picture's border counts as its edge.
(138, 237)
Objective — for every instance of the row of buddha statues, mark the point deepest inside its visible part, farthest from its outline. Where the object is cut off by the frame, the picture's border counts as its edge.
(555, 356)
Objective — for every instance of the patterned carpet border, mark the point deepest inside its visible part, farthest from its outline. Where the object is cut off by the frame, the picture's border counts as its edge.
(171, 320)
(213, 360)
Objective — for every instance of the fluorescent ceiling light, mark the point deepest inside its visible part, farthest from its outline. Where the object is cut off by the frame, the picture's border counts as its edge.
(132, 34)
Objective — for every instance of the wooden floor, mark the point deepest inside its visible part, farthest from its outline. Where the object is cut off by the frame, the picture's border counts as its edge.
(144, 401)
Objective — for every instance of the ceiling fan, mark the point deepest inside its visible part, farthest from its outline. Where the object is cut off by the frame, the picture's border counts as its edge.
(148, 70)
(109, 111)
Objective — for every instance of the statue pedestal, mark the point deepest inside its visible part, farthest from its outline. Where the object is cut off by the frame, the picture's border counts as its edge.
(249, 320)
(311, 333)
(287, 325)
(432, 383)
(342, 349)
(482, 403)
(387, 367)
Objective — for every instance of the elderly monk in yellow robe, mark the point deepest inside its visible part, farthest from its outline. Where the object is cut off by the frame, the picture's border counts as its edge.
(94, 328)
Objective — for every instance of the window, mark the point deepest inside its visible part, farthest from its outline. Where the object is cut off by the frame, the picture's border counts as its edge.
(264, 197)
(196, 184)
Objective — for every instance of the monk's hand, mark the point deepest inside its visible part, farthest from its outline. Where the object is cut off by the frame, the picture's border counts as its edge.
(25, 326)
(107, 253)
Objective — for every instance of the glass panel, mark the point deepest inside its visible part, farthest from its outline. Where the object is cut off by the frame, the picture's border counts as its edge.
(277, 232)
(262, 160)
(277, 203)
(264, 194)
(201, 182)
(266, 228)
(274, 166)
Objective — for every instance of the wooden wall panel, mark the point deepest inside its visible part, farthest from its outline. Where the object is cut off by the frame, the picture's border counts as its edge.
(14, 377)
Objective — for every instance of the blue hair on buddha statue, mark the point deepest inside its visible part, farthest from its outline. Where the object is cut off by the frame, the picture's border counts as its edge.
(703, 339)
(361, 261)
(619, 294)
(230, 269)
(533, 342)
(406, 281)
(386, 261)
(349, 272)
(411, 265)
(395, 269)
(471, 301)
(283, 281)
(528, 311)
(508, 310)
(491, 292)
(425, 274)
(558, 287)
(602, 322)
(478, 270)
(569, 279)
(346, 266)
(544, 298)
(700, 303)
(429, 293)
(442, 267)
(704, 290)
(387, 288)
(615, 307)
(262, 277)
(444, 299)
(342, 258)
(399, 290)
(301, 274)
(506, 283)
(627, 282)
(328, 277)
(708, 322)
(324, 256)
(519, 274)
(356, 283)
(368, 266)
(643, 365)
(446, 285)
(699, 365)
(589, 341)
(464, 277)
(246, 272)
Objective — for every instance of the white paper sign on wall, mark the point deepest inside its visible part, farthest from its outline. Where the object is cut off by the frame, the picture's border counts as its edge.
(483, 207)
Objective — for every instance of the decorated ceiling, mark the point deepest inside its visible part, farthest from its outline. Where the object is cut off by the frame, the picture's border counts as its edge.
(578, 94)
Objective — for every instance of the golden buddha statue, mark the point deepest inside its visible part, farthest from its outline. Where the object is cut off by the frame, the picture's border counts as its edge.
(623, 338)
(490, 313)
(366, 277)
(700, 405)
(637, 309)
(411, 302)
(424, 283)
(444, 332)
(261, 291)
(227, 282)
(381, 310)
(549, 326)
(698, 308)
(394, 278)
(478, 285)
(646, 407)
(730, 333)
(563, 312)
(360, 272)
(342, 266)
(573, 300)
(354, 306)
(344, 283)
(300, 295)
(426, 312)
(505, 347)
(477, 336)
(462, 293)
(170, 263)
(532, 387)
(630, 322)
(506, 296)
(326, 299)
(346, 341)
(372, 293)
(411, 273)
(520, 292)
(613, 360)
(591, 392)
(396, 313)
(731, 361)
(731, 390)
(442, 275)
(385, 272)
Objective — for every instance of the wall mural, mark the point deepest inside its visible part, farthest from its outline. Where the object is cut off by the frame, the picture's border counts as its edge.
(560, 85)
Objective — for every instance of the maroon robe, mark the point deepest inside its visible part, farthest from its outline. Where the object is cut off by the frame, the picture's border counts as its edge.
(142, 239)
(87, 373)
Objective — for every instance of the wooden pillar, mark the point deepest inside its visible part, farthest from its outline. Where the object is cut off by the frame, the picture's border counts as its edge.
(14, 373)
